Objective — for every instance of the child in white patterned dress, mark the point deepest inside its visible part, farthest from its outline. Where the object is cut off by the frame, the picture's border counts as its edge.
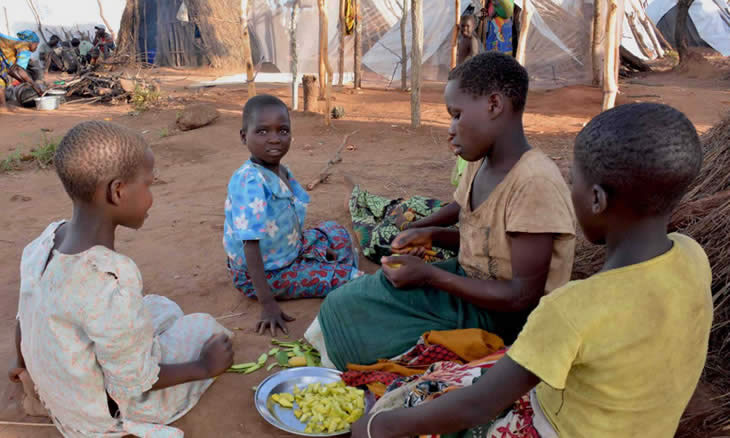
(106, 360)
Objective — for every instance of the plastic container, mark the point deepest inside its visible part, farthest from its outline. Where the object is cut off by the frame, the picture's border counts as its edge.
(47, 103)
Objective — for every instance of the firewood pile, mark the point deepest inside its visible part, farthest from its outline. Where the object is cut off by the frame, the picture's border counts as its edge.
(96, 86)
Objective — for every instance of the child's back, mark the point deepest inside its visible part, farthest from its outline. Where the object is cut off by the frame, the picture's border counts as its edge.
(633, 340)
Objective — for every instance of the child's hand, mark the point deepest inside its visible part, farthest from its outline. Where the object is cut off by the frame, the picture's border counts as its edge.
(406, 271)
(412, 242)
(271, 318)
(217, 355)
(14, 374)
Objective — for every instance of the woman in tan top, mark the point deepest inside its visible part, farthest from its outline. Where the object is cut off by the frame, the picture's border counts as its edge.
(515, 240)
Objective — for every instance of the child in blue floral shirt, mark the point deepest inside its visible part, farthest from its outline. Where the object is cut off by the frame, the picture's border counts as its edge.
(270, 256)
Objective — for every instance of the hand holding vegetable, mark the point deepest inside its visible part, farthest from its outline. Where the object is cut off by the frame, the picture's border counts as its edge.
(271, 318)
(414, 242)
(406, 271)
(217, 355)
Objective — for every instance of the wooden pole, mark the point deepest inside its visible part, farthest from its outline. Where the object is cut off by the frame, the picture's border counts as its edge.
(525, 20)
(341, 60)
(611, 60)
(665, 44)
(644, 21)
(322, 47)
(416, 54)
(403, 47)
(7, 21)
(293, 57)
(309, 86)
(455, 38)
(106, 23)
(680, 28)
(358, 47)
(597, 27)
(247, 55)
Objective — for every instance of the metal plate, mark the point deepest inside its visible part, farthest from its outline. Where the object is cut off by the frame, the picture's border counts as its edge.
(285, 381)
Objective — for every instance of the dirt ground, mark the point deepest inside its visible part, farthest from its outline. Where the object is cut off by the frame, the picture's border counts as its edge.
(179, 250)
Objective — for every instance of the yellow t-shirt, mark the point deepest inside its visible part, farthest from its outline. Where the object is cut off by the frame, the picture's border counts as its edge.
(620, 353)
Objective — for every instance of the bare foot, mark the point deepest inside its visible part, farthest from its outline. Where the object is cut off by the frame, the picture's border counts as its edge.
(349, 187)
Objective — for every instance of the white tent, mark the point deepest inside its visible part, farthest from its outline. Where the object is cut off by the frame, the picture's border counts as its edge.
(59, 17)
(708, 23)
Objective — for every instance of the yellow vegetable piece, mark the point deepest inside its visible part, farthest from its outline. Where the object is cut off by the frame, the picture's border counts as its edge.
(297, 361)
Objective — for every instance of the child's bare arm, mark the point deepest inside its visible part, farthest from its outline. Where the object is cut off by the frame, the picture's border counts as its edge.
(531, 256)
(445, 217)
(457, 410)
(271, 314)
(216, 357)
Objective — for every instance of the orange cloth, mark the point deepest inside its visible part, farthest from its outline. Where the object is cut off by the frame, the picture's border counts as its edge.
(468, 344)
(388, 367)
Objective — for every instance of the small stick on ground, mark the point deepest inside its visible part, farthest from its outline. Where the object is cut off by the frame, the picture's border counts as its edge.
(334, 160)
(17, 423)
(233, 315)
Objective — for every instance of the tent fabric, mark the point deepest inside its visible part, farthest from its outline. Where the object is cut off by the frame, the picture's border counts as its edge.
(710, 22)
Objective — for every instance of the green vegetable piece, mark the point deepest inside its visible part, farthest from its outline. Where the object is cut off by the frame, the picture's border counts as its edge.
(262, 359)
(268, 368)
(310, 360)
(282, 357)
(273, 351)
(253, 368)
(241, 366)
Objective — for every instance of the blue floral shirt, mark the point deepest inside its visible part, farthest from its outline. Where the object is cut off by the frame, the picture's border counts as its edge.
(260, 206)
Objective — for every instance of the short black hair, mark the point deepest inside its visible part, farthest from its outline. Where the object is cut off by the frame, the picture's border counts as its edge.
(54, 40)
(646, 153)
(491, 72)
(468, 17)
(256, 103)
(75, 42)
(94, 151)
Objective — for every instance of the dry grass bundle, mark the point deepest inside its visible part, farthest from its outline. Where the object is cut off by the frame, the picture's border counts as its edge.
(704, 215)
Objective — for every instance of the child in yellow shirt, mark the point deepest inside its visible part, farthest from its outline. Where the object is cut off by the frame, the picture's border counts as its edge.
(617, 354)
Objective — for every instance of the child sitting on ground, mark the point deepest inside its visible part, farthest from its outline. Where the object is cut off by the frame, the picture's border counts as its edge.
(620, 353)
(106, 360)
(270, 256)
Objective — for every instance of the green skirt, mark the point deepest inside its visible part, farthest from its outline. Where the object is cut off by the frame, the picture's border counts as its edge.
(368, 319)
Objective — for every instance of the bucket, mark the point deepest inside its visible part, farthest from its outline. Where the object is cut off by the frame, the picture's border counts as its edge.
(47, 103)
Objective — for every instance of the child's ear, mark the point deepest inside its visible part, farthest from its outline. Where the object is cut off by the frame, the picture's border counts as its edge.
(114, 192)
(243, 136)
(599, 201)
(495, 105)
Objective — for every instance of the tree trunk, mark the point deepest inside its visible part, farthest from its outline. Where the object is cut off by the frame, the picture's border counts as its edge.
(525, 21)
(404, 47)
(610, 64)
(247, 56)
(221, 29)
(103, 18)
(309, 90)
(358, 47)
(293, 58)
(125, 38)
(455, 39)
(416, 54)
(680, 28)
(597, 34)
(341, 60)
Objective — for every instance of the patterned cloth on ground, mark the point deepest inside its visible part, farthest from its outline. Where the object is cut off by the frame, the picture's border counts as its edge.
(12, 51)
(435, 346)
(311, 274)
(88, 331)
(377, 220)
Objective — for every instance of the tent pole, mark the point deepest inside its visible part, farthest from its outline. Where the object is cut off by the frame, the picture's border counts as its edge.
(597, 26)
(455, 39)
(341, 60)
(416, 54)
(293, 54)
(525, 19)
(358, 46)
(403, 47)
(610, 64)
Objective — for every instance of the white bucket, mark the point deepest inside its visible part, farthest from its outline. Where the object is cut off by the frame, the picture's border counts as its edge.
(47, 103)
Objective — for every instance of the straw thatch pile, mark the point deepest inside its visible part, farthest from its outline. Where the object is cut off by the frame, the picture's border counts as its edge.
(705, 216)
